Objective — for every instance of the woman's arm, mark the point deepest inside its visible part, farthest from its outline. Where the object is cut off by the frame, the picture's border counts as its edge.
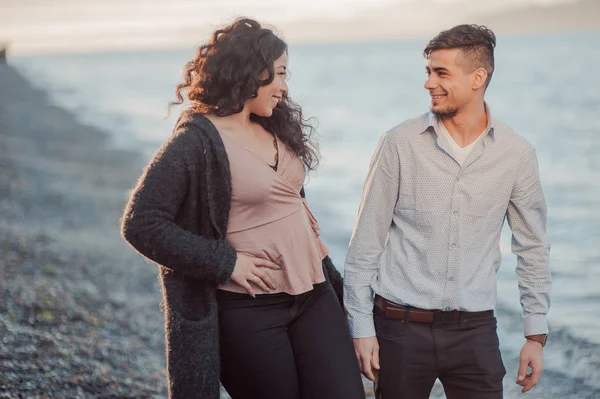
(148, 223)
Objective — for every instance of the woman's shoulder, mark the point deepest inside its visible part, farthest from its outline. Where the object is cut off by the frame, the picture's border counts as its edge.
(186, 140)
(191, 123)
(193, 131)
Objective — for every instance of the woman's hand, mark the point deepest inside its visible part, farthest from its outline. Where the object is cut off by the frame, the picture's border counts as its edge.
(250, 269)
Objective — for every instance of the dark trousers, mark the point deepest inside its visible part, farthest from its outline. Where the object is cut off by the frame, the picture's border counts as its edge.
(287, 347)
(464, 355)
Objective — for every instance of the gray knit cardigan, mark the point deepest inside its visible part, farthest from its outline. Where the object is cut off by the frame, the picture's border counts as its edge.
(177, 217)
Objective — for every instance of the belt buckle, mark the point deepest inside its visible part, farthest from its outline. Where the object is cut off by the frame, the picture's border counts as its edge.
(444, 316)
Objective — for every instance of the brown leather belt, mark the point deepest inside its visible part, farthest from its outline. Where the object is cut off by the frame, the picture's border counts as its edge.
(395, 311)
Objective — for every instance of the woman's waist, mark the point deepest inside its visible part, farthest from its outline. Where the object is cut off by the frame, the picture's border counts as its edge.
(295, 245)
(297, 250)
(243, 218)
(293, 225)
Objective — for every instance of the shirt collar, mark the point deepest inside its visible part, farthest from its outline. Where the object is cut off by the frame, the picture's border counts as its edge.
(431, 121)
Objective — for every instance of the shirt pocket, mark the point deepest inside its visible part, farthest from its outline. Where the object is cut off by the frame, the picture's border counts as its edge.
(486, 218)
(415, 222)
(415, 218)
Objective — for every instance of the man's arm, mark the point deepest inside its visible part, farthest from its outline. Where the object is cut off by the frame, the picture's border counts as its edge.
(526, 216)
(375, 214)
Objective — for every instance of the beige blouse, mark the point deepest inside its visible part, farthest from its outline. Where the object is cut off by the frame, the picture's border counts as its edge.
(269, 219)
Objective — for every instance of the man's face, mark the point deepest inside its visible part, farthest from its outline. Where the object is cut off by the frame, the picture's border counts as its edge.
(450, 83)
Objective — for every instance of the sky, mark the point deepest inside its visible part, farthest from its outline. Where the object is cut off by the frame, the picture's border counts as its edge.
(64, 25)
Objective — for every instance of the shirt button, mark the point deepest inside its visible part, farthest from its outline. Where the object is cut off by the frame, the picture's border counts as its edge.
(454, 245)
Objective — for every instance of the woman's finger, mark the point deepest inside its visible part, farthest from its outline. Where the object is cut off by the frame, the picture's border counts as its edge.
(259, 282)
(266, 278)
(260, 262)
(248, 288)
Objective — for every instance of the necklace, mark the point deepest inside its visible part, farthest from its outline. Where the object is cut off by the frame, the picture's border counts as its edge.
(276, 152)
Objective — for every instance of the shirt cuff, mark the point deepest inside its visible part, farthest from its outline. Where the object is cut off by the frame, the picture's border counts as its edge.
(362, 326)
(535, 324)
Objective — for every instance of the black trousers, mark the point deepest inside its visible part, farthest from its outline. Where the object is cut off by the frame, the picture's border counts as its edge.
(464, 355)
(287, 347)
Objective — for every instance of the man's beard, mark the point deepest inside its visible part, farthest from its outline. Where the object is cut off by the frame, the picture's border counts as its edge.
(444, 112)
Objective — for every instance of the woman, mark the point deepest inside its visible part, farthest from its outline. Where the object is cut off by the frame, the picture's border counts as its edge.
(244, 274)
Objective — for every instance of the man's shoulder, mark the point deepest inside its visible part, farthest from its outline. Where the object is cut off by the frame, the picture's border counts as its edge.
(409, 128)
(507, 136)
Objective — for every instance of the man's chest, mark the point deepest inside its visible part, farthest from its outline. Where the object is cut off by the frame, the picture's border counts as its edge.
(435, 183)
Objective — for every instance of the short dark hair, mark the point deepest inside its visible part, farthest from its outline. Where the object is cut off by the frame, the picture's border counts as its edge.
(476, 42)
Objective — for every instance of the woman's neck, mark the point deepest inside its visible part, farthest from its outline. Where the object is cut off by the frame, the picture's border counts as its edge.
(240, 121)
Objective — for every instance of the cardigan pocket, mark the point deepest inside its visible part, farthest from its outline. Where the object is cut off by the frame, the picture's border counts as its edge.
(192, 356)
(177, 321)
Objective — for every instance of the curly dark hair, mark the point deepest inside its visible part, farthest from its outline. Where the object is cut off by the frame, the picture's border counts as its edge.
(477, 43)
(226, 72)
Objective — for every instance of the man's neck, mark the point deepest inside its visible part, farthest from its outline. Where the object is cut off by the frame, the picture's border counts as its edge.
(467, 124)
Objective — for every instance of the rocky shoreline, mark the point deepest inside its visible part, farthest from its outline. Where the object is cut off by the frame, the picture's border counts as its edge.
(78, 310)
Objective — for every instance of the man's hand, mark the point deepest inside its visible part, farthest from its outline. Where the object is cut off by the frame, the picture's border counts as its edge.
(367, 353)
(532, 355)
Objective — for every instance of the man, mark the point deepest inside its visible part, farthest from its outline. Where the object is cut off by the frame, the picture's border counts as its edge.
(426, 241)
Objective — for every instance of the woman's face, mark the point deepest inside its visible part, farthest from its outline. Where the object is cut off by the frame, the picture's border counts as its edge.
(270, 95)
